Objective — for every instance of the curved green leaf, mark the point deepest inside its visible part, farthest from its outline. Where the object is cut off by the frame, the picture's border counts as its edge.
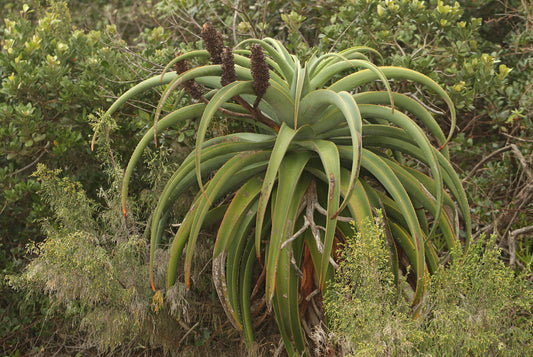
(329, 156)
(239, 207)
(188, 112)
(225, 179)
(365, 76)
(414, 131)
(286, 296)
(288, 190)
(410, 105)
(223, 95)
(283, 140)
(349, 108)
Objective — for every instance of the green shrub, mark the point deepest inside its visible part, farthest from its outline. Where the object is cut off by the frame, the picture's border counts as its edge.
(85, 267)
(94, 271)
(366, 313)
(475, 306)
(52, 75)
(431, 37)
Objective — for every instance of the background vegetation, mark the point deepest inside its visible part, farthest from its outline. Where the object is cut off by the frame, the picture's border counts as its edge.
(60, 62)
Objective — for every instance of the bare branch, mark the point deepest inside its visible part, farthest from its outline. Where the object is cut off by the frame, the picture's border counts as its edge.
(297, 234)
(520, 231)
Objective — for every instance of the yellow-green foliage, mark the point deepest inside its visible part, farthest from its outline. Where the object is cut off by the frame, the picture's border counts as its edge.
(365, 311)
(475, 306)
(90, 268)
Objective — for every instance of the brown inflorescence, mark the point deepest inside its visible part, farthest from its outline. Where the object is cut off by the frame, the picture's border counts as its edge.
(228, 67)
(190, 86)
(214, 43)
(259, 70)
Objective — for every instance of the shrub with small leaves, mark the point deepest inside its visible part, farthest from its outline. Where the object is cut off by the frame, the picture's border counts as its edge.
(475, 306)
(52, 75)
(79, 266)
(93, 271)
(478, 307)
(431, 37)
(365, 309)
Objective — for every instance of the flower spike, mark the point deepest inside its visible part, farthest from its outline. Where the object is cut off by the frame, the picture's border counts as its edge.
(259, 69)
(228, 67)
(214, 43)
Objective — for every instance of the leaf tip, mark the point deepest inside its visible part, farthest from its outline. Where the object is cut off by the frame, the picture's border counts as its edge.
(152, 281)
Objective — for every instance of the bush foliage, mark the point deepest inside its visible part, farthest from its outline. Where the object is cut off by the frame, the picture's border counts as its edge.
(93, 270)
(475, 306)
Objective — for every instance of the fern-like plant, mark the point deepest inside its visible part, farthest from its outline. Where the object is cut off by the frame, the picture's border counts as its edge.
(325, 150)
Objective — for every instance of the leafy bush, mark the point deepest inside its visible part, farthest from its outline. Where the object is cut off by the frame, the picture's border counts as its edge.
(499, 186)
(431, 37)
(475, 306)
(366, 313)
(52, 75)
(94, 272)
(84, 266)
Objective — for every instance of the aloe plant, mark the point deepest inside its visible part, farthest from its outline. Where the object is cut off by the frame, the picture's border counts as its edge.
(325, 151)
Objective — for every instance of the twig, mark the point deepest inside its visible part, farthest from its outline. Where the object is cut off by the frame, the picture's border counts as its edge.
(265, 6)
(433, 110)
(344, 32)
(258, 321)
(245, 15)
(516, 138)
(257, 306)
(515, 151)
(258, 283)
(322, 210)
(520, 231)
(234, 26)
(279, 349)
(295, 266)
(188, 332)
(485, 229)
(19, 331)
(524, 198)
(484, 160)
(313, 293)
(297, 234)
(3, 208)
(512, 251)
(44, 151)
(134, 54)
(523, 161)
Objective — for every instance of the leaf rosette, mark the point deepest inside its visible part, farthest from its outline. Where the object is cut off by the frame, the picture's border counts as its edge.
(332, 143)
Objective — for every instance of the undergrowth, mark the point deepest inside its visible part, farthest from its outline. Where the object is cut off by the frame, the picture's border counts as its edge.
(475, 306)
(93, 268)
